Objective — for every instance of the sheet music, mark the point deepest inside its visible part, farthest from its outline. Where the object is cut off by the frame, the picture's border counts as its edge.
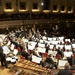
(54, 42)
(44, 38)
(67, 47)
(31, 45)
(61, 38)
(61, 46)
(42, 50)
(49, 38)
(15, 51)
(62, 63)
(36, 59)
(68, 54)
(12, 46)
(50, 52)
(24, 40)
(61, 41)
(51, 46)
(6, 50)
(3, 36)
(41, 45)
(67, 40)
(53, 53)
(73, 45)
(48, 42)
(8, 43)
(41, 41)
(54, 38)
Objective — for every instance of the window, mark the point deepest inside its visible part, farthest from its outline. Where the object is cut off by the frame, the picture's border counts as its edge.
(55, 7)
(62, 8)
(35, 6)
(22, 5)
(69, 8)
(8, 5)
(0, 2)
(46, 4)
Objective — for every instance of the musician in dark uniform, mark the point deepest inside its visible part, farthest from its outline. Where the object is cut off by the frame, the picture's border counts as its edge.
(50, 63)
(65, 71)
(2, 57)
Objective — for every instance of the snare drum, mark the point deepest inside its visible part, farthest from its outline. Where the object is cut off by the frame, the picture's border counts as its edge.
(8, 59)
(13, 61)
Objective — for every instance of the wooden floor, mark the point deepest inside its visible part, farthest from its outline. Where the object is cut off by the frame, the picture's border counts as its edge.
(5, 71)
(11, 69)
(22, 67)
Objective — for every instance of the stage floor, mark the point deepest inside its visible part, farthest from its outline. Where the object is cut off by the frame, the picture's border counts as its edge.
(25, 69)
(4, 71)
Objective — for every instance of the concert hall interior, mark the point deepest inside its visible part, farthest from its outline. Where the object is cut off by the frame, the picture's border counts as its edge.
(37, 37)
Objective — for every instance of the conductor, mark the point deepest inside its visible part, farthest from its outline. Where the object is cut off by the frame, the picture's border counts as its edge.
(2, 57)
